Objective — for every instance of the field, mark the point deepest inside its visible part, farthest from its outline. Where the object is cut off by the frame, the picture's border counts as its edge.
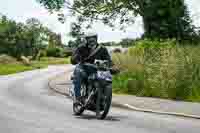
(159, 69)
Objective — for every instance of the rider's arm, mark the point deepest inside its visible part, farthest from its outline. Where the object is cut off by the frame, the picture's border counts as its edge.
(107, 56)
(75, 59)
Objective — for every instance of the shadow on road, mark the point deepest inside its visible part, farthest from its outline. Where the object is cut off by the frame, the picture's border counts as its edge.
(93, 117)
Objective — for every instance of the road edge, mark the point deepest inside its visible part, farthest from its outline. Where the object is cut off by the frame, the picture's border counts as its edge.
(127, 106)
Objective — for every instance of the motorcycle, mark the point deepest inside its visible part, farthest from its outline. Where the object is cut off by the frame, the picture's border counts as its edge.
(96, 91)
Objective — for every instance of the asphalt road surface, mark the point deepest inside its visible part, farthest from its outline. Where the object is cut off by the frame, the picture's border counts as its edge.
(28, 106)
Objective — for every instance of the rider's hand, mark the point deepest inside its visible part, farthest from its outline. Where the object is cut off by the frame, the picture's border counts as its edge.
(115, 70)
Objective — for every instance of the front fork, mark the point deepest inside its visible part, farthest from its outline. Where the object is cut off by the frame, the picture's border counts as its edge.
(98, 102)
(99, 92)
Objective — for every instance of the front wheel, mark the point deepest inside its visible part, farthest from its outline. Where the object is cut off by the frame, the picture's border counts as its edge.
(103, 103)
(77, 109)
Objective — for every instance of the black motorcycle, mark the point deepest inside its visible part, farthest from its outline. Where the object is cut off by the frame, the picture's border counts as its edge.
(96, 91)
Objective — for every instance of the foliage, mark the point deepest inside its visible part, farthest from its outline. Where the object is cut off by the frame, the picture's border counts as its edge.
(163, 19)
(167, 19)
(165, 70)
(15, 67)
(75, 30)
(53, 52)
(77, 33)
(126, 42)
(110, 44)
(29, 39)
(55, 40)
(117, 50)
(67, 52)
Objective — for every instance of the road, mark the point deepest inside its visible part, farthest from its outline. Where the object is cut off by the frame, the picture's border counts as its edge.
(27, 105)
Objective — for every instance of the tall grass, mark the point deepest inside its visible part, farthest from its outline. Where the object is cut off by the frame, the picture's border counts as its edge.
(159, 69)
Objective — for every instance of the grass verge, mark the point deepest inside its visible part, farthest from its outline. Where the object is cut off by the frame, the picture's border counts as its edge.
(11, 68)
(6, 69)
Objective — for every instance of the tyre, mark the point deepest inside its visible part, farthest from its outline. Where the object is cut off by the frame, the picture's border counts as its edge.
(102, 111)
(77, 109)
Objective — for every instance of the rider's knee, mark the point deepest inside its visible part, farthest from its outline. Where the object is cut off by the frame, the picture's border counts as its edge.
(79, 72)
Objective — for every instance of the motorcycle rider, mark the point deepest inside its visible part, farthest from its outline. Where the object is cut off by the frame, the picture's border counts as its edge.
(86, 53)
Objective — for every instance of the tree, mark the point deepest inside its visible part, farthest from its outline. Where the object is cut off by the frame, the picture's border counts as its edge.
(163, 19)
(8, 34)
(76, 32)
(167, 19)
(34, 35)
(17, 39)
(55, 40)
(127, 42)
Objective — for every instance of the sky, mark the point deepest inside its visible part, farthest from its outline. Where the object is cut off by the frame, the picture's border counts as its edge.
(20, 10)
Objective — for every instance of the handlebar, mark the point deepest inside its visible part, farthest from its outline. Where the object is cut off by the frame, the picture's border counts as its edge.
(94, 66)
(90, 65)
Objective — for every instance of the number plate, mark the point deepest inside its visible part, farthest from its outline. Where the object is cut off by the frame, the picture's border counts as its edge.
(105, 75)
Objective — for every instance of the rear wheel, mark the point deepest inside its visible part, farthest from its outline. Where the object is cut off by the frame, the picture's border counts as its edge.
(103, 103)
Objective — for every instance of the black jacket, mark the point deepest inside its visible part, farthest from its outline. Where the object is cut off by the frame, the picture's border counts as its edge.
(84, 54)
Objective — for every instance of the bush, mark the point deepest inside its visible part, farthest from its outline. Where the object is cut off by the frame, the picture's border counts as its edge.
(117, 50)
(159, 69)
(67, 52)
(5, 59)
(54, 52)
